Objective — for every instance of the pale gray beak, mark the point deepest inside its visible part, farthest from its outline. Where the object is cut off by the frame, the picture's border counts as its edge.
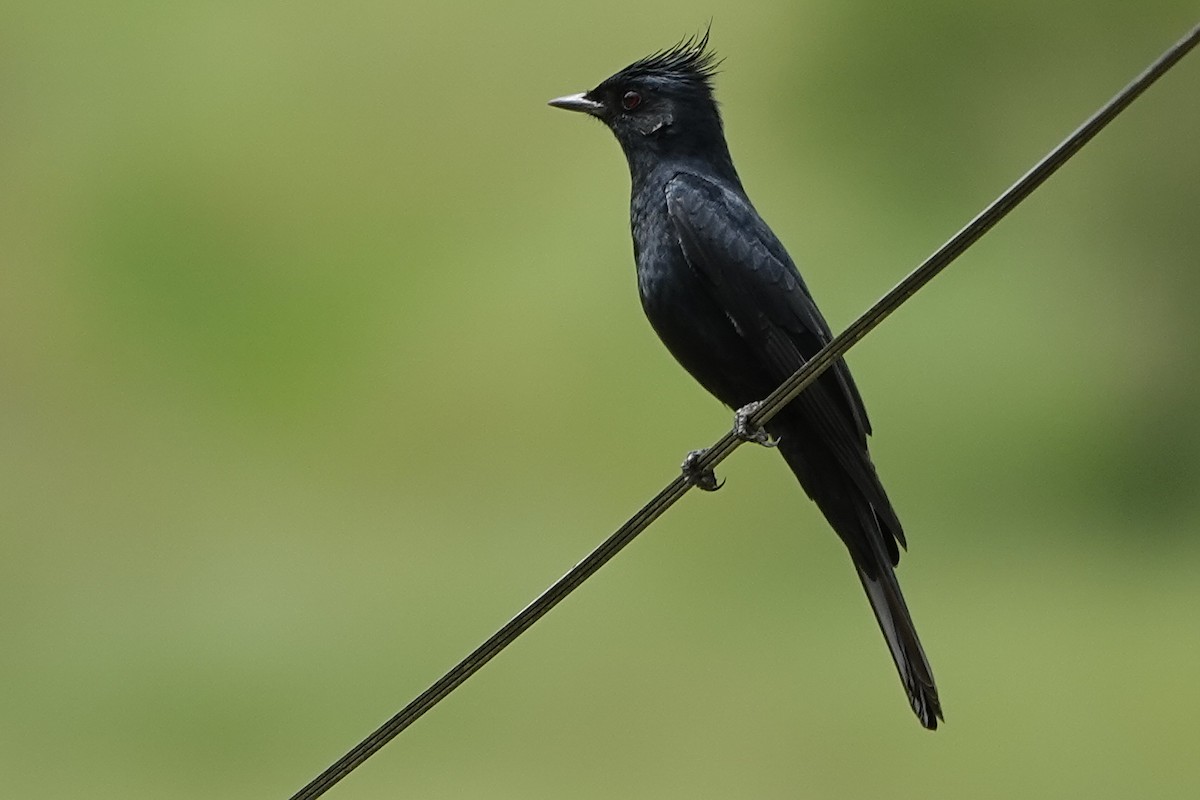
(578, 102)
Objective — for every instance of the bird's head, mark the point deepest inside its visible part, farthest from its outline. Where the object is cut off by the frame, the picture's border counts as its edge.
(662, 104)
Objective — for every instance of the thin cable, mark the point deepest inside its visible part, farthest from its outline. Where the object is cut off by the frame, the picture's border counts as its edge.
(768, 409)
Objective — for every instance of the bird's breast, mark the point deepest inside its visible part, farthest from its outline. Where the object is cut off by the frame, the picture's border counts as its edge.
(697, 331)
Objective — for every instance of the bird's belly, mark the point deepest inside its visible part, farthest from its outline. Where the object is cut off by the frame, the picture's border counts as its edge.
(701, 336)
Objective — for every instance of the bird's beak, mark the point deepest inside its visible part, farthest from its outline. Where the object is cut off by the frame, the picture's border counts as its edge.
(578, 102)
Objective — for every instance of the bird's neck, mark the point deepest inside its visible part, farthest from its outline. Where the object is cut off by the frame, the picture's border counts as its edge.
(649, 166)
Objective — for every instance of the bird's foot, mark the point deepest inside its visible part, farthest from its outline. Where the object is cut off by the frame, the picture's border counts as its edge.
(749, 433)
(704, 479)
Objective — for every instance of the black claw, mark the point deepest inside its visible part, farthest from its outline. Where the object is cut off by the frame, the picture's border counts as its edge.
(704, 479)
(747, 432)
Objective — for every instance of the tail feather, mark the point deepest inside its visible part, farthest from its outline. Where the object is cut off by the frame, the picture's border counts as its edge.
(872, 544)
(897, 626)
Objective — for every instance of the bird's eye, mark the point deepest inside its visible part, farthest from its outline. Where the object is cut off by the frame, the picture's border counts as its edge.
(630, 101)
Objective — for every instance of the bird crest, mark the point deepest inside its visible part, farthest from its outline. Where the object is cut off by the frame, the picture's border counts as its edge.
(688, 63)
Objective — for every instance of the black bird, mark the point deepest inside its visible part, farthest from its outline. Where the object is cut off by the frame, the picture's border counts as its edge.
(727, 301)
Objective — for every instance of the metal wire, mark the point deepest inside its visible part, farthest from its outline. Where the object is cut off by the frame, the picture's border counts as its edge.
(768, 409)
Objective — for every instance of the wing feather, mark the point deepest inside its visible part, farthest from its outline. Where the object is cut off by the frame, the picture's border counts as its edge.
(726, 241)
(752, 278)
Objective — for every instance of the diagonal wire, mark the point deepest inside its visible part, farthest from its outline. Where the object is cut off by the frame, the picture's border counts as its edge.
(769, 407)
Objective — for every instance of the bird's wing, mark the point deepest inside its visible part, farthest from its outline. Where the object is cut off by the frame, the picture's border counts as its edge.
(752, 278)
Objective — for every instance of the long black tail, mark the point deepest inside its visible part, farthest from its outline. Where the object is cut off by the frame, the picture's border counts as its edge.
(915, 673)
(858, 509)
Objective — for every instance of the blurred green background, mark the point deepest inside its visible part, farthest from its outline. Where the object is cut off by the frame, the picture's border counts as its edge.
(321, 356)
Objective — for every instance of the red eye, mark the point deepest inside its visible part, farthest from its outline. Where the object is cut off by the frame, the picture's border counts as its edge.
(630, 101)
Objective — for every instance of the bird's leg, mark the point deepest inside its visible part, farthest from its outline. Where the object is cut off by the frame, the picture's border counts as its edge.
(749, 433)
(704, 479)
